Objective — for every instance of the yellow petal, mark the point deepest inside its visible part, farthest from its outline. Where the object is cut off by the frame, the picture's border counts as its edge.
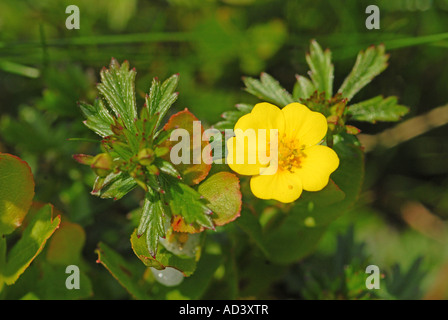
(263, 116)
(249, 150)
(282, 186)
(304, 125)
(243, 166)
(316, 167)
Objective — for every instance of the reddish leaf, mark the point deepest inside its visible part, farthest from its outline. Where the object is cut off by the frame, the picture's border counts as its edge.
(192, 173)
(222, 191)
(66, 244)
(179, 225)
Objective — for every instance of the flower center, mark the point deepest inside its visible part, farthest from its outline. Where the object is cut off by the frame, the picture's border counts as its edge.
(290, 154)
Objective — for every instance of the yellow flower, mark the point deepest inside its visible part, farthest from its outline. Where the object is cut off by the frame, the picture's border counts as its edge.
(285, 158)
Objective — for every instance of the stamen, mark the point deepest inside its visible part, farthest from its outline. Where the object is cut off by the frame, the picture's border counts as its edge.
(290, 154)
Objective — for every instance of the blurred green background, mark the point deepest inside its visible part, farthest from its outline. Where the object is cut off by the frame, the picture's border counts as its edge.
(399, 223)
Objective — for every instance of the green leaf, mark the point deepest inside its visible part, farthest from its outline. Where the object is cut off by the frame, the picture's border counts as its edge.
(406, 285)
(127, 274)
(115, 185)
(303, 88)
(231, 117)
(167, 168)
(321, 69)
(164, 258)
(98, 118)
(2, 260)
(377, 109)
(117, 87)
(16, 192)
(368, 65)
(161, 97)
(250, 224)
(189, 204)
(325, 197)
(51, 283)
(40, 227)
(268, 89)
(222, 191)
(152, 222)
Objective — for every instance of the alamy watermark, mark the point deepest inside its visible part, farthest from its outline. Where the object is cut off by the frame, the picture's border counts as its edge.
(249, 146)
(373, 280)
(73, 280)
(73, 20)
(373, 20)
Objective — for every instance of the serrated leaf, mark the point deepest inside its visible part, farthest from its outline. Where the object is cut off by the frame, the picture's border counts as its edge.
(40, 227)
(368, 65)
(303, 88)
(117, 87)
(121, 150)
(377, 109)
(161, 97)
(224, 125)
(115, 185)
(16, 192)
(98, 118)
(167, 168)
(268, 89)
(231, 117)
(321, 69)
(188, 203)
(244, 107)
(152, 222)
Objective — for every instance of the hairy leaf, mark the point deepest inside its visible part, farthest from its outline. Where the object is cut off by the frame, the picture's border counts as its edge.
(321, 69)
(98, 118)
(113, 186)
(377, 109)
(303, 88)
(161, 97)
(152, 222)
(189, 204)
(368, 65)
(268, 89)
(117, 87)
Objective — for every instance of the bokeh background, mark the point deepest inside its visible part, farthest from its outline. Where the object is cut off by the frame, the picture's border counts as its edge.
(399, 222)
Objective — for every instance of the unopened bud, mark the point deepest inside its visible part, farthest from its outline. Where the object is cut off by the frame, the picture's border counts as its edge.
(145, 156)
(102, 164)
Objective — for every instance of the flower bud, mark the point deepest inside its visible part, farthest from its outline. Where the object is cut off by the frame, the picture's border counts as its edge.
(102, 164)
(145, 156)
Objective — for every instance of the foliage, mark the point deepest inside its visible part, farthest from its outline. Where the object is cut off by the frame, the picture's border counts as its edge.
(395, 198)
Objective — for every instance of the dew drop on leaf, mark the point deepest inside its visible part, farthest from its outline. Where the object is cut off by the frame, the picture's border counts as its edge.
(168, 277)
